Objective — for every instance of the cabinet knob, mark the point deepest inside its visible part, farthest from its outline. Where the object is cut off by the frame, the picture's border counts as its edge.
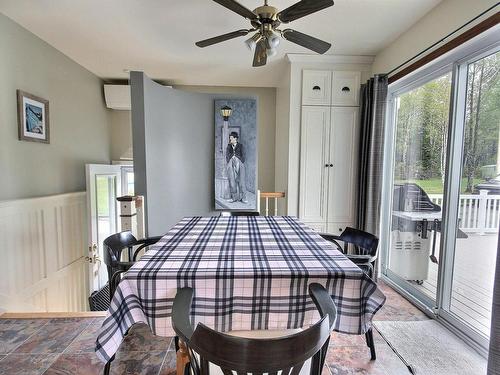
(326, 165)
(316, 88)
(331, 165)
(346, 89)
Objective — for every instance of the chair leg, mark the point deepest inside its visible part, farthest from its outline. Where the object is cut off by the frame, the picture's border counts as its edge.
(371, 343)
(107, 367)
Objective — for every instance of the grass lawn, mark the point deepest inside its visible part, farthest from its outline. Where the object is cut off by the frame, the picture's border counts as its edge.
(102, 196)
(435, 185)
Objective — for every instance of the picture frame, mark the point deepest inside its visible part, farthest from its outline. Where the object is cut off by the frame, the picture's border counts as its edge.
(236, 176)
(33, 118)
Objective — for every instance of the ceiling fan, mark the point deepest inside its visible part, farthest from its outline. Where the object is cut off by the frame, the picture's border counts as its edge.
(265, 21)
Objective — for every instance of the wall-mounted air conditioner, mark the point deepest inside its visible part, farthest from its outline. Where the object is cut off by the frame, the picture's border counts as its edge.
(117, 96)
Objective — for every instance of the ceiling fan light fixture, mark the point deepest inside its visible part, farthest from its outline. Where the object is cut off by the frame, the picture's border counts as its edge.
(251, 42)
(273, 40)
(271, 52)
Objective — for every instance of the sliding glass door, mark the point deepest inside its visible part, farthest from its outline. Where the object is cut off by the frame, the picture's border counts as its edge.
(441, 210)
(474, 198)
(421, 132)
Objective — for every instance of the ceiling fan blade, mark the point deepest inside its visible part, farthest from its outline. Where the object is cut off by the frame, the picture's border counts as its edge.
(221, 38)
(307, 41)
(303, 8)
(260, 55)
(237, 8)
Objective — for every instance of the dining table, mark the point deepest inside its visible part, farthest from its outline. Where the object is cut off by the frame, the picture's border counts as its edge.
(247, 273)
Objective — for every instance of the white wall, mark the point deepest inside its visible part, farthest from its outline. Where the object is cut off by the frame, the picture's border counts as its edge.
(439, 22)
(79, 121)
(44, 244)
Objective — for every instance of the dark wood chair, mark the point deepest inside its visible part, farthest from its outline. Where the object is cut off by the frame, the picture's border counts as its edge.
(255, 355)
(364, 252)
(112, 254)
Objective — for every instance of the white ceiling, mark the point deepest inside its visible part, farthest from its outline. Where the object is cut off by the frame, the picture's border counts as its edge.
(157, 36)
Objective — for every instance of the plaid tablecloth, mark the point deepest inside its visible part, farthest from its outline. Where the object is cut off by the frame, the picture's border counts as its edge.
(247, 272)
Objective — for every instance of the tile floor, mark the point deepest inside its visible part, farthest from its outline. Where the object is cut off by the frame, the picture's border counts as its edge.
(66, 346)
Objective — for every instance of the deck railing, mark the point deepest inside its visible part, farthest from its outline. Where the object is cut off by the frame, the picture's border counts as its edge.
(476, 212)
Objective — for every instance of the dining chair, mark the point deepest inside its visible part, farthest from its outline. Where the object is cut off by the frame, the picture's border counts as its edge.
(112, 254)
(364, 252)
(213, 352)
(364, 247)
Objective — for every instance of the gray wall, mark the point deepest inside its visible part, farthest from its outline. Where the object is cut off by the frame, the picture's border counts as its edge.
(173, 135)
(266, 122)
(79, 131)
(266, 118)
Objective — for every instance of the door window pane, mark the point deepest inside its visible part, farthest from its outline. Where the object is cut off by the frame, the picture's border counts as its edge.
(420, 164)
(479, 201)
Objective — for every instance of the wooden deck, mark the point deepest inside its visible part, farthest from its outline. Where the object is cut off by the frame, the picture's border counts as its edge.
(473, 278)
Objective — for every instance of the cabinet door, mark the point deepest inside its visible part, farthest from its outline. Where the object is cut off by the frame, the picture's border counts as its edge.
(314, 150)
(343, 156)
(345, 88)
(316, 87)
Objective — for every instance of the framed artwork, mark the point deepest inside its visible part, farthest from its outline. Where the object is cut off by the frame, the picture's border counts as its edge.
(236, 155)
(33, 118)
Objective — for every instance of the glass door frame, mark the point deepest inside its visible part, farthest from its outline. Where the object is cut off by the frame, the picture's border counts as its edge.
(456, 62)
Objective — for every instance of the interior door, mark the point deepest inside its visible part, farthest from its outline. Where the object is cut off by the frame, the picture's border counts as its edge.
(103, 187)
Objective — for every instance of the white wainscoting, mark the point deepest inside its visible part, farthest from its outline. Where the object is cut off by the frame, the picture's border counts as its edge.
(43, 249)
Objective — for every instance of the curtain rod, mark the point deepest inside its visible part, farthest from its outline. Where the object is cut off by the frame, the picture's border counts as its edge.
(442, 39)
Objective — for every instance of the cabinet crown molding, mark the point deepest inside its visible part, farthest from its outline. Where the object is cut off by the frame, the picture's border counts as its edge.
(332, 59)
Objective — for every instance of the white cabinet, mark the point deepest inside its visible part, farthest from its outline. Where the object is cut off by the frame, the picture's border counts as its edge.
(316, 87)
(315, 155)
(345, 88)
(326, 88)
(343, 156)
(329, 144)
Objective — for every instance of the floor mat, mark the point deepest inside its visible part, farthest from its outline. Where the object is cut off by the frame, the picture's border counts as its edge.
(430, 349)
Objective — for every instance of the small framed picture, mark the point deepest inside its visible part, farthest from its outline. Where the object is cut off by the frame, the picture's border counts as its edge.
(33, 118)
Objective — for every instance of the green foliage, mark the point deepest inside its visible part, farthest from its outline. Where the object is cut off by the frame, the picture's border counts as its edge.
(422, 126)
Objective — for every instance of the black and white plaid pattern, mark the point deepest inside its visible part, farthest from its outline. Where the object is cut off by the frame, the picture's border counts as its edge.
(247, 272)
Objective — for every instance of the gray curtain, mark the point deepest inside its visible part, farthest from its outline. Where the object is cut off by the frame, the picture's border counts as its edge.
(494, 354)
(373, 107)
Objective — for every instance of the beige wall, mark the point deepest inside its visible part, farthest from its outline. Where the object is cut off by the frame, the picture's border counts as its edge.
(121, 135)
(439, 22)
(79, 130)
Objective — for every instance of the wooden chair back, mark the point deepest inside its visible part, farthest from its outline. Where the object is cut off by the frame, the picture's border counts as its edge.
(258, 356)
(251, 355)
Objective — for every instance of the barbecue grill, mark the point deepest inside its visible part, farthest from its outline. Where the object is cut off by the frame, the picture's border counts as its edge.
(414, 217)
